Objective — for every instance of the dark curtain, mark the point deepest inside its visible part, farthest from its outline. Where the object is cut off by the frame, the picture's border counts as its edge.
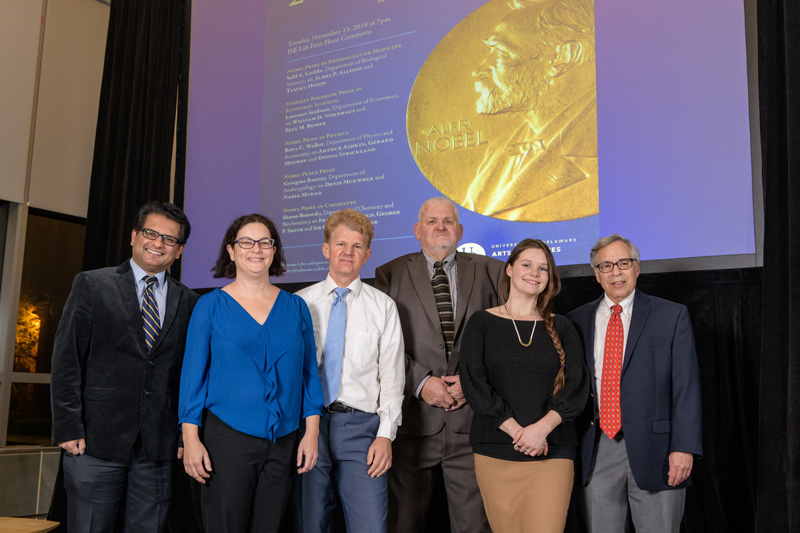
(134, 137)
(135, 123)
(778, 462)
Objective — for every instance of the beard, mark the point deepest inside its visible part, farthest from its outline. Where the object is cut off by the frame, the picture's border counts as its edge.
(516, 97)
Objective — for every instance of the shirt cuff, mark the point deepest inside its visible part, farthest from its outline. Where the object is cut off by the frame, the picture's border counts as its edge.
(387, 429)
(421, 384)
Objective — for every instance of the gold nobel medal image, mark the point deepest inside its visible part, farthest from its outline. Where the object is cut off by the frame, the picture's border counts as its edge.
(502, 117)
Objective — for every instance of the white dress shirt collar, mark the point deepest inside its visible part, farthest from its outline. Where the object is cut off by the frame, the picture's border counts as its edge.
(627, 305)
(355, 286)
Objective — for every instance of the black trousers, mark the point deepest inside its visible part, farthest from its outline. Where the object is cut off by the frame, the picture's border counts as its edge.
(250, 479)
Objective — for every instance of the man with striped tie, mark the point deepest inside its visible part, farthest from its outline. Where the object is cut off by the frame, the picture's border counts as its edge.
(114, 380)
(436, 291)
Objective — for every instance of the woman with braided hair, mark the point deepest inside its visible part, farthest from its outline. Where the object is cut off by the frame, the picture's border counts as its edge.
(523, 374)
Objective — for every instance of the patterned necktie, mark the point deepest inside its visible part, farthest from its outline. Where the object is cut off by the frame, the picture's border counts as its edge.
(444, 305)
(150, 320)
(334, 347)
(610, 418)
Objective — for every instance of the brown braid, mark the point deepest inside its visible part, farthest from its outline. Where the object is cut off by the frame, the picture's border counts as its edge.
(550, 326)
(544, 303)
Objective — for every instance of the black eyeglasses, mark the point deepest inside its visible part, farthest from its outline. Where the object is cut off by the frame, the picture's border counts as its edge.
(169, 240)
(245, 243)
(623, 264)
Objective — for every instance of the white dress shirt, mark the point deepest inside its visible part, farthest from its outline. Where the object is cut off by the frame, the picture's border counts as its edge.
(600, 326)
(373, 364)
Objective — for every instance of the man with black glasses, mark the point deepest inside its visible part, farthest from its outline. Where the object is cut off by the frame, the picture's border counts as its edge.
(643, 426)
(114, 381)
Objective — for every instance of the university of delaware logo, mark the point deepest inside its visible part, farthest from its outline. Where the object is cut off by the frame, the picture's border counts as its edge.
(472, 248)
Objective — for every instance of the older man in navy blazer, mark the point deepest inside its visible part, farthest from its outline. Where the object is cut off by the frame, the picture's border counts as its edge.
(640, 434)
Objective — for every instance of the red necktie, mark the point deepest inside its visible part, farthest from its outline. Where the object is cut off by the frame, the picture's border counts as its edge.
(610, 418)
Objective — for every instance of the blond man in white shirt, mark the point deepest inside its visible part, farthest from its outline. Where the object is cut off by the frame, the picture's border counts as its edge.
(363, 378)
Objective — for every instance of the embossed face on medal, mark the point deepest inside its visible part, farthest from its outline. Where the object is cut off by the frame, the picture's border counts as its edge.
(506, 124)
(511, 76)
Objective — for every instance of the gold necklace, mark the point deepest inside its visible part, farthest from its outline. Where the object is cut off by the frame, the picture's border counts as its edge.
(515, 328)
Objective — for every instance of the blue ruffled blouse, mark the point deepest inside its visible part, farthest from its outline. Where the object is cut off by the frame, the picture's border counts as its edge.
(257, 378)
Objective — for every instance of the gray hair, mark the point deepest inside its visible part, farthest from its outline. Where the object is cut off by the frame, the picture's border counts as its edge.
(561, 21)
(605, 241)
(437, 200)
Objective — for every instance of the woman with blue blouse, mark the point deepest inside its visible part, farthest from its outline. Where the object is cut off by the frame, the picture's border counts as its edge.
(249, 375)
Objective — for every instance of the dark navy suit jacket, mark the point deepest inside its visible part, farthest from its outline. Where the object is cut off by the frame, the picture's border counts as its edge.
(659, 392)
(105, 386)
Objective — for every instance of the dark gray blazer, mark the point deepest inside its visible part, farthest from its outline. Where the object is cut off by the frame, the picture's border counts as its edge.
(105, 387)
(407, 282)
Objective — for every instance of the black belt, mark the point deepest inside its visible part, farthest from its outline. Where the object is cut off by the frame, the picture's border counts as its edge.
(338, 407)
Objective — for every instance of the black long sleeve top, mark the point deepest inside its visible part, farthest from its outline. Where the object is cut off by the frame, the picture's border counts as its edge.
(503, 379)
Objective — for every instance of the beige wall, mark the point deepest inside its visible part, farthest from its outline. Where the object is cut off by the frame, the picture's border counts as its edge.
(20, 21)
(64, 109)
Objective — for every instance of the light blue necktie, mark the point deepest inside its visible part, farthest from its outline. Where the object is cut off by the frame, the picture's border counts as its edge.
(150, 319)
(334, 347)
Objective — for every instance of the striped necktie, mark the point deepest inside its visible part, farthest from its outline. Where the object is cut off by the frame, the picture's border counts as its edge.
(444, 305)
(150, 320)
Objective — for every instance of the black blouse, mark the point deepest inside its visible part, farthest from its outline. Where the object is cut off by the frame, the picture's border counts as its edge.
(503, 379)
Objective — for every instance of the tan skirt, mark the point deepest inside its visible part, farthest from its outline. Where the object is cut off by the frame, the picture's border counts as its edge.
(525, 496)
